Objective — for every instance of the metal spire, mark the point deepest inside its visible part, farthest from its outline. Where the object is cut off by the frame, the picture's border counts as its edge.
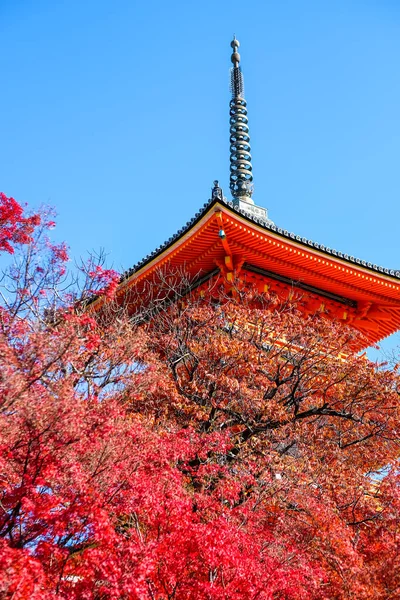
(241, 178)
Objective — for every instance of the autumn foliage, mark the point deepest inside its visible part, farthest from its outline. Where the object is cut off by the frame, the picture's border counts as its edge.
(15, 228)
(202, 449)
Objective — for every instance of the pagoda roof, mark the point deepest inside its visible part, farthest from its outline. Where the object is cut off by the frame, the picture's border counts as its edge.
(223, 240)
(269, 226)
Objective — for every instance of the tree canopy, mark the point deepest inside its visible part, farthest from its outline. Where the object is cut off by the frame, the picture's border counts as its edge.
(213, 447)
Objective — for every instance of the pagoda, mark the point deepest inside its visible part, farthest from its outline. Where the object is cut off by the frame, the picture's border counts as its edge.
(234, 243)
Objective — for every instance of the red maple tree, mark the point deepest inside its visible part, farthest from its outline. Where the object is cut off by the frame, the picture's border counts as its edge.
(210, 449)
(15, 228)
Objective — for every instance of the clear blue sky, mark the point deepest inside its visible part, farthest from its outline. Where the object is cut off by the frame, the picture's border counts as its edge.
(116, 113)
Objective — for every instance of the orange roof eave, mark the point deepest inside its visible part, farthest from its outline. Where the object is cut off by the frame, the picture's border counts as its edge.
(199, 248)
(309, 258)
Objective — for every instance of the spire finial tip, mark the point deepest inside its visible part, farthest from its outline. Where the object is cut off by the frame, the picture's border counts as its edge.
(235, 58)
(234, 43)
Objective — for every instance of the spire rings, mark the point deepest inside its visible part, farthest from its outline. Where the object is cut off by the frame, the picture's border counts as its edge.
(241, 171)
(241, 175)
